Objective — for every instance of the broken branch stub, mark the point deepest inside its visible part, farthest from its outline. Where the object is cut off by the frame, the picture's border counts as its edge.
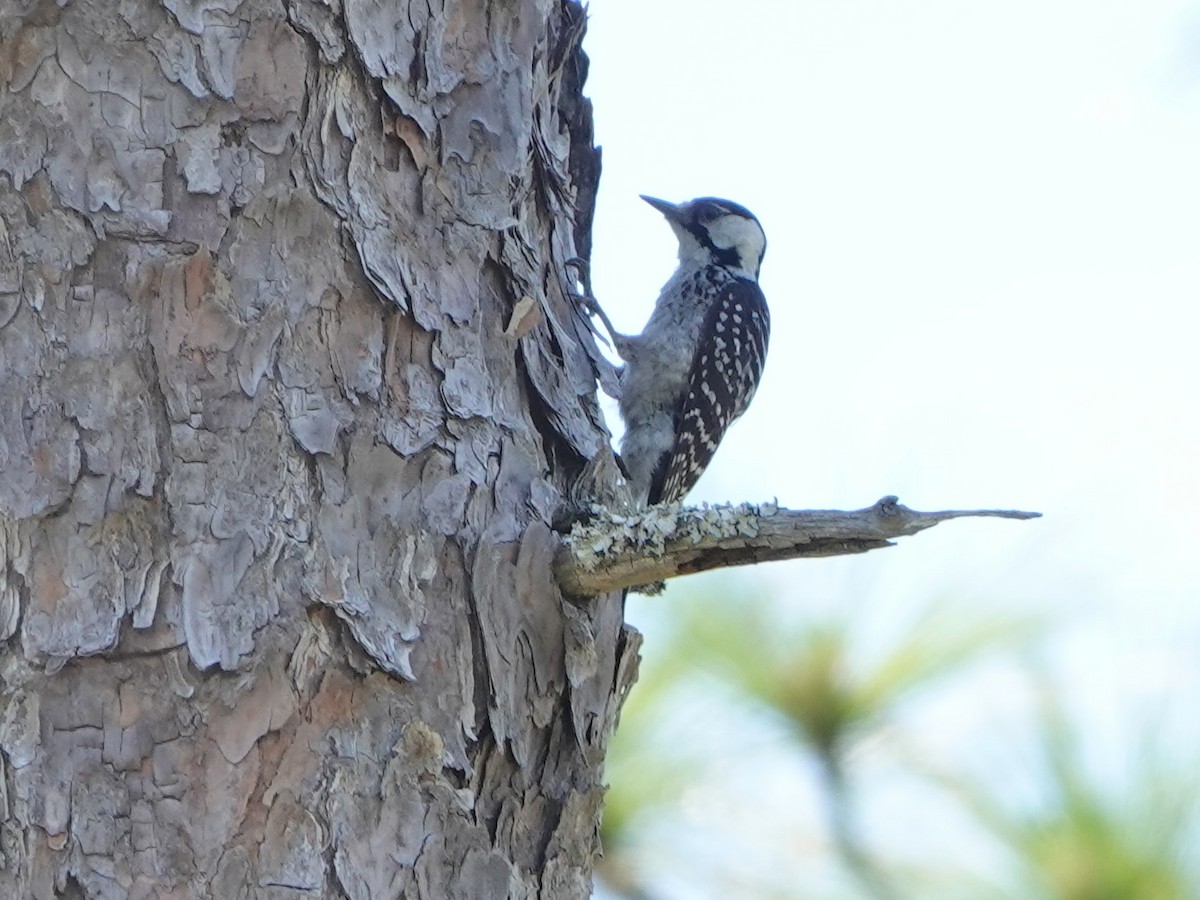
(615, 551)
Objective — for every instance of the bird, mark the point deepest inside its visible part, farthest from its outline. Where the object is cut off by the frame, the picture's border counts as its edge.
(697, 363)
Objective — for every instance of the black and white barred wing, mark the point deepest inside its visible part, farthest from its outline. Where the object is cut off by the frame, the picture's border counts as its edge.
(725, 373)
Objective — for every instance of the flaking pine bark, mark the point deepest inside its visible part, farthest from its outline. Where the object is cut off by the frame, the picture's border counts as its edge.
(292, 389)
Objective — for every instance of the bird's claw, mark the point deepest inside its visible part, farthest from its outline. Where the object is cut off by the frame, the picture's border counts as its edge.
(583, 269)
(586, 299)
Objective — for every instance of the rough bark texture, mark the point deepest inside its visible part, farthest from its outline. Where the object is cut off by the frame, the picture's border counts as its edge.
(291, 391)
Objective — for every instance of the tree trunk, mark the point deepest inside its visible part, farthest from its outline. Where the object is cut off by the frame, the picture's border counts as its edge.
(290, 389)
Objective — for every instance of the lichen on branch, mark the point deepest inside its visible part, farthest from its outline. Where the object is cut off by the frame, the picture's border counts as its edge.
(614, 550)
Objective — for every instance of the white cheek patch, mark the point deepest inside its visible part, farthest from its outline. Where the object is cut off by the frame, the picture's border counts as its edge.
(741, 234)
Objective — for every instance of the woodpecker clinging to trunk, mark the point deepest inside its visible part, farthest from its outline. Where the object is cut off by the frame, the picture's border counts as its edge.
(697, 363)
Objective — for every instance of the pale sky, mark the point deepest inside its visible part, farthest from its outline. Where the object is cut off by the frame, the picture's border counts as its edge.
(983, 267)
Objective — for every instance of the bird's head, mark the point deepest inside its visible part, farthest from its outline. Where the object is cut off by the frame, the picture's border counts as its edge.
(715, 231)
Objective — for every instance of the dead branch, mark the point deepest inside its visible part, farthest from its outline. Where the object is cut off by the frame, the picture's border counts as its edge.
(614, 551)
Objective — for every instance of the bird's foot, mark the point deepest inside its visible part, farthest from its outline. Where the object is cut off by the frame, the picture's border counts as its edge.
(582, 276)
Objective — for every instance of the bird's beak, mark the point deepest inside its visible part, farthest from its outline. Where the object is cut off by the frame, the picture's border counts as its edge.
(670, 210)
